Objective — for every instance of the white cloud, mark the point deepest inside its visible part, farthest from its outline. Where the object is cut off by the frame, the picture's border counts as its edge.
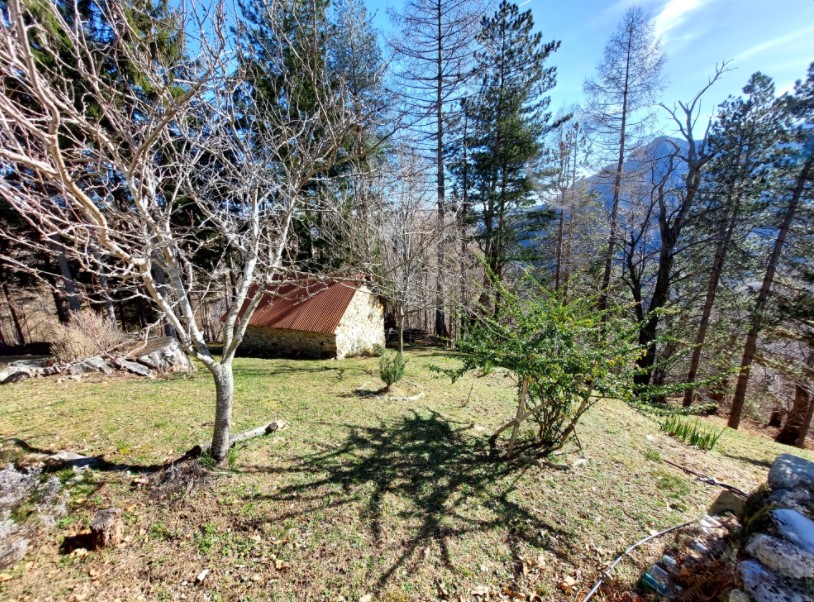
(774, 43)
(672, 14)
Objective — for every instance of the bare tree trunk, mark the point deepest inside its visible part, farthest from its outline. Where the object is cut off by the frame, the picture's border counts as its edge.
(725, 235)
(521, 409)
(161, 279)
(110, 310)
(559, 244)
(440, 317)
(400, 327)
(798, 420)
(68, 281)
(750, 347)
(225, 391)
(806, 426)
(59, 303)
(15, 317)
(617, 187)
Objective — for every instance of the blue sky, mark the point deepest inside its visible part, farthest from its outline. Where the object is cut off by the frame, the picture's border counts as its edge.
(772, 36)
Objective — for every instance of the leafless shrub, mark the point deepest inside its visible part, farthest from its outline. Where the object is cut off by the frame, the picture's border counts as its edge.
(87, 334)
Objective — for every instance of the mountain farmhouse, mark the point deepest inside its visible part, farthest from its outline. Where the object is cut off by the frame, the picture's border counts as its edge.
(316, 319)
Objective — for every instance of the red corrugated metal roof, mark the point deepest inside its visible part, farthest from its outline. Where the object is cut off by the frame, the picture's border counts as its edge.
(310, 305)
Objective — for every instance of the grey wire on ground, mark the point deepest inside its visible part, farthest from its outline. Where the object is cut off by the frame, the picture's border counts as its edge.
(709, 480)
(606, 573)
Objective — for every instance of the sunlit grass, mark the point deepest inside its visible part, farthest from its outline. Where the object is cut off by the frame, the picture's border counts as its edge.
(362, 494)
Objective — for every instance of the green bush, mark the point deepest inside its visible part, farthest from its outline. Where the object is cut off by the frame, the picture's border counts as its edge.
(691, 433)
(391, 368)
(564, 356)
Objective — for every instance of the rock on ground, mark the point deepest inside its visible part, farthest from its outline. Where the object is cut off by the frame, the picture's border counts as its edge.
(795, 528)
(764, 586)
(781, 556)
(162, 354)
(133, 367)
(788, 471)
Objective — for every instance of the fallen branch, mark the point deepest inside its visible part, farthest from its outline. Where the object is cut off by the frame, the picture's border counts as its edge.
(201, 449)
(709, 480)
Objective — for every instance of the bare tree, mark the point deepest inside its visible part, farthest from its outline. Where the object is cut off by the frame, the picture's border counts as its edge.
(674, 210)
(628, 80)
(135, 181)
(407, 236)
(434, 52)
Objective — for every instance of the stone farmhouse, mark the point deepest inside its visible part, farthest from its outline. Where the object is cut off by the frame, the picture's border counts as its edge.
(313, 318)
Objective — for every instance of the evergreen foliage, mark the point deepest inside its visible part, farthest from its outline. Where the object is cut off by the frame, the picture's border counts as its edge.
(563, 358)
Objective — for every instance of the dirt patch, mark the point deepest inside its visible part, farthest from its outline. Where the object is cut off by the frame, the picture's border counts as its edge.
(179, 480)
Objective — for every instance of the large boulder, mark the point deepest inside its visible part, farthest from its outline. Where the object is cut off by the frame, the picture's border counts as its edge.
(162, 354)
(789, 471)
(781, 556)
(765, 586)
(794, 527)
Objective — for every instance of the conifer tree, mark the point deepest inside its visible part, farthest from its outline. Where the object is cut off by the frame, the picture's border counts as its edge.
(509, 118)
(744, 138)
(798, 167)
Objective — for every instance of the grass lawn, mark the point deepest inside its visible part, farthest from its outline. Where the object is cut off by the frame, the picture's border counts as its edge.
(361, 495)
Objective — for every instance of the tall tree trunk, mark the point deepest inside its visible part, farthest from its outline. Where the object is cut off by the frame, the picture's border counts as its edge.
(725, 236)
(464, 221)
(68, 280)
(440, 316)
(750, 347)
(110, 309)
(560, 228)
(63, 315)
(15, 317)
(798, 420)
(225, 391)
(660, 295)
(617, 187)
(161, 280)
(400, 327)
(806, 426)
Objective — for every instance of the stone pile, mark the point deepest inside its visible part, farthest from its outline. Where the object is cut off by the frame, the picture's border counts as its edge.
(777, 557)
(156, 356)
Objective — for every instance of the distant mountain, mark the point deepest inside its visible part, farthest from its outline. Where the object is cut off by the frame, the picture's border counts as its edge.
(645, 166)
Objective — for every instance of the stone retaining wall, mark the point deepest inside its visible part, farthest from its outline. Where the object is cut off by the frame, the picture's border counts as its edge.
(776, 561)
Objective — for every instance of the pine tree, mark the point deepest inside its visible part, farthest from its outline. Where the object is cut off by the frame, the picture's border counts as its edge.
(744, 138)
(509, 118)
(798, 166)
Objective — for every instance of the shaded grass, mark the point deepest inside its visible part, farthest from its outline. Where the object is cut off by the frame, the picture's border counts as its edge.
(362, 494)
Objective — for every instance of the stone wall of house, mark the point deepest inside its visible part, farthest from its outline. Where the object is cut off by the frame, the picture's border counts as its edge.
(279, 342)
(362, 327)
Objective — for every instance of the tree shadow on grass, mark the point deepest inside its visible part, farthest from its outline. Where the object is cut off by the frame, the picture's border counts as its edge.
(753, 461)
(78, 462)
(293, 367)
(446, 483)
